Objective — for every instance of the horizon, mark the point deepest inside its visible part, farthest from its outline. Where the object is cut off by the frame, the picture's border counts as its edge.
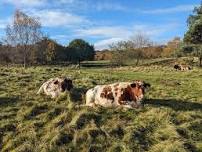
(103, 22)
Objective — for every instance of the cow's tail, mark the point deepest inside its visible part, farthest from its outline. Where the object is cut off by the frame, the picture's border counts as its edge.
(40, 89)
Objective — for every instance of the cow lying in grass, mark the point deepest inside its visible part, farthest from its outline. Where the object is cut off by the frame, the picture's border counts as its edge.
(55, 86)
(182, 67)
(123, 94)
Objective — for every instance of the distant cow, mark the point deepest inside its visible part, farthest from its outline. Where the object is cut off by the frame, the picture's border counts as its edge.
(55, 86)
(182, 67)
(124, 94)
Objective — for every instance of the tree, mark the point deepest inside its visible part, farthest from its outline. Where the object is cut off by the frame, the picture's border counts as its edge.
(134, 48)
(23, 32)
(120, 52)
(194, 34)
(49, 51)
(80, 50)
(171, 47)
(140, 40)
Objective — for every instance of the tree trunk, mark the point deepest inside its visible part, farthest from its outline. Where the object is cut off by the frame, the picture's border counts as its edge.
(137, 62)
(24, 60)
(79, 63)
(200, 61)
(24, 57)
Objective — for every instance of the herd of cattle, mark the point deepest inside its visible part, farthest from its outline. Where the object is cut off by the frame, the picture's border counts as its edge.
(121, 94)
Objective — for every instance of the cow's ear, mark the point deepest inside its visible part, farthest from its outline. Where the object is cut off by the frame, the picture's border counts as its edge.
(133, 85)
(146, 85)
(56, 82)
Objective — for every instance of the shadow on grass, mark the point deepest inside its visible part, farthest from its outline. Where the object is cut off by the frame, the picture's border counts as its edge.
(7, 101)
(1, 140)
(78, 94)
(178, 105)
(98, 65)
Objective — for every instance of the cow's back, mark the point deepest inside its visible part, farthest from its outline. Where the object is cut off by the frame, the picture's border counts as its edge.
(105, 95)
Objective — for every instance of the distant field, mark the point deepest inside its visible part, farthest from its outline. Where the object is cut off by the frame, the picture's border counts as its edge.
(144, 62)
(170, 121)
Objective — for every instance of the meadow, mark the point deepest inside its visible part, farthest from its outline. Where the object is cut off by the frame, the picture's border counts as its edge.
(170, 121)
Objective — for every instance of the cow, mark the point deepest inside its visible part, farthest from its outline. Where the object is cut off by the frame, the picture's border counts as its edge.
(177, 66)
(122, 94)
(181, 67)
(55, 86)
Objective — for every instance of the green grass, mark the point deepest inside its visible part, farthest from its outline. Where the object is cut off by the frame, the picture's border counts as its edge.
(170, 121)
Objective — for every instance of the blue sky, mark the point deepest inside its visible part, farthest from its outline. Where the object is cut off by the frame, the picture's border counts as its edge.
(102, 22)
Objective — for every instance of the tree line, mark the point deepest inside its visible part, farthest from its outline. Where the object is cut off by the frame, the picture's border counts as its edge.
(25, 44)
(140, 47)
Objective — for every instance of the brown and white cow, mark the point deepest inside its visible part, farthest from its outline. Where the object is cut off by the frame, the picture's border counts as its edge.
(124, 94)
(181, 67)
(55, 86)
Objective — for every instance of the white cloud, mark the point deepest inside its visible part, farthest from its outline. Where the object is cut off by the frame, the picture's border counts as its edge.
(25, 3)
(56, 18)
(109, 6)
(126, 32)
(154, 30)
(105, 31)
(65, 1)
(51, 17)
(60, 36)
(175, 9)
(111, 34)
(4, 23)
(103, 44)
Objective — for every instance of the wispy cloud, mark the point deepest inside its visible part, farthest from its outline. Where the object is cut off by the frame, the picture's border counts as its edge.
(100, 6)
(104, 31)
(110, 34)
(103, 44)
(4, 23)
(25, 3)
(125, 31)
(56, 18)
(66, 1)
(75, 17)
(153, 30)
(175, 9)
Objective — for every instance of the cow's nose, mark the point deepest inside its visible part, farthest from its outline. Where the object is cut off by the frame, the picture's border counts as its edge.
(140, 98)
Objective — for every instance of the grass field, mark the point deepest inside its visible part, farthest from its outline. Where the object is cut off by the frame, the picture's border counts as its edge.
(170, 121)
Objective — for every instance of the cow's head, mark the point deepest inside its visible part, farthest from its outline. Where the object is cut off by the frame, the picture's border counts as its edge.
(64, 84)
(137, 91)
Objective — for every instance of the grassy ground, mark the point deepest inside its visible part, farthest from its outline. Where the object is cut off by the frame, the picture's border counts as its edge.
(170, 121)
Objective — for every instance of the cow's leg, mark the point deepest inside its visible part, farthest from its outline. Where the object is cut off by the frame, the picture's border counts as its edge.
(90, 98)
(127, 106)
(91, 104)
(132, 104)
(53, 95)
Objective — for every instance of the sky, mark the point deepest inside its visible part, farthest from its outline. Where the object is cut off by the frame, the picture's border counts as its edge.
(103, 22)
